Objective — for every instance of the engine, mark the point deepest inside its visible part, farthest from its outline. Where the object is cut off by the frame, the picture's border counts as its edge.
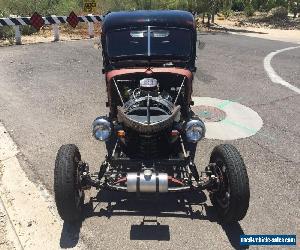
(148, 117)
(150, 120)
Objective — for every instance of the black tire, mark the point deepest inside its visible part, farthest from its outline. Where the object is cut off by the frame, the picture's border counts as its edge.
(232, 198)
(69, 196)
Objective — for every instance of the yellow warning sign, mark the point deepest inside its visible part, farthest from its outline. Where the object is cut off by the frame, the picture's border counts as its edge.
(89, 6)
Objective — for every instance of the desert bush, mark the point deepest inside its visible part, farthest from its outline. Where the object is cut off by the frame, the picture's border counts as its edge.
(27, 30)
(43, 7)
(226, 12)
(238, 5)
(295, 7)
(65, 7)
(270, 4)
(278, 13)
(249, 10)
(6, 32)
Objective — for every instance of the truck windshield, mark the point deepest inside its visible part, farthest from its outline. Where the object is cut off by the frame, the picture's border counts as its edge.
(149, 42)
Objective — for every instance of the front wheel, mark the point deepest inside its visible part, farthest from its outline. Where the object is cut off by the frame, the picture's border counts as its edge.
(231, 197)
(69, 196)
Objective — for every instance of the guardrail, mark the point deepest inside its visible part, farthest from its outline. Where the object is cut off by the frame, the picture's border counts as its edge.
(38, 21)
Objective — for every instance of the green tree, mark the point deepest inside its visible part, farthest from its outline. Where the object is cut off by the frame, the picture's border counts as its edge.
(226, 7)
(249, 10)
(238, 5)
(294, 6)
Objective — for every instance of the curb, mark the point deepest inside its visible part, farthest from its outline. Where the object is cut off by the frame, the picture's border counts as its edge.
(14, 239)
(30, 209)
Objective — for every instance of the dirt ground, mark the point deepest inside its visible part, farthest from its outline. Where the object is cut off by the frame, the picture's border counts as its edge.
(262, 20)
(67, 33)
(284, 35)
(260, 26)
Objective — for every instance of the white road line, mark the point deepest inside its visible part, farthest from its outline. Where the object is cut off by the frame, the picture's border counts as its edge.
(275, 78)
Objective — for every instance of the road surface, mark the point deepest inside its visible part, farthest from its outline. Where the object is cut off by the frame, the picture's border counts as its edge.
(50, 94)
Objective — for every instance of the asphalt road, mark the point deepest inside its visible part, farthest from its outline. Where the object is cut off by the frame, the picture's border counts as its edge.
(287, 67)
(50, 94)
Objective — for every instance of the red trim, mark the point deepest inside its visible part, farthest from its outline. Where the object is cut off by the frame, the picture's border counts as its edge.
(149, 71)
(120, 180)
(174, 180)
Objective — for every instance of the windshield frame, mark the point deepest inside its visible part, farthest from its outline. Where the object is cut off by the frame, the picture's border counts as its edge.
(147, 56)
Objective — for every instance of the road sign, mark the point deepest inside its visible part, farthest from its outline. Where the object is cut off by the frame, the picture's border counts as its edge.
(37, 21)
(72, 19)
(89, 6)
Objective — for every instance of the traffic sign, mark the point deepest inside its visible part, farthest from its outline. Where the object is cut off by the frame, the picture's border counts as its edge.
(72, 19)
(89, 6)
(37, 21)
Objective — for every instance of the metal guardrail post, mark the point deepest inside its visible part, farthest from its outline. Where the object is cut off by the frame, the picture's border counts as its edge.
(18, 35)
(91, 27)
(55, 29)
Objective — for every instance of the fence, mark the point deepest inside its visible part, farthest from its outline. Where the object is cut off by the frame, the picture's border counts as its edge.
(38, 21)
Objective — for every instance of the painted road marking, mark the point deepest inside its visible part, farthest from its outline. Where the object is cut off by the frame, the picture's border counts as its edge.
(30, 207)
(240, 121)
(275, 78)
(227, 102)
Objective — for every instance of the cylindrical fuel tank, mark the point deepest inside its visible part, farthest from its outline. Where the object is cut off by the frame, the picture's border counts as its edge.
(147, 182)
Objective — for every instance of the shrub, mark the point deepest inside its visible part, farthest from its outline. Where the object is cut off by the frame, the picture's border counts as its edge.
(295, 8)
(249, 10)
(27, 30)
(238, 5)
(6, 32)
(226, 13)
(278, 13)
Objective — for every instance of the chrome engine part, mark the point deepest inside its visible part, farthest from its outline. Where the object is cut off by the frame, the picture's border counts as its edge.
(148, 83)
(147, 182)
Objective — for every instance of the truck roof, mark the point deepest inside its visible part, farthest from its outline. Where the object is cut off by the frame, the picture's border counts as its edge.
(142, 18)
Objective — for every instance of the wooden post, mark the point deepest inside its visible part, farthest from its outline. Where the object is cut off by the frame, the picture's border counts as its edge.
(55, 29)
(18, 35)
(91, 28)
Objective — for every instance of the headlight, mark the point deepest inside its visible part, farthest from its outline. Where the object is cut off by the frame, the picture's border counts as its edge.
(101, 129)
(194, 130)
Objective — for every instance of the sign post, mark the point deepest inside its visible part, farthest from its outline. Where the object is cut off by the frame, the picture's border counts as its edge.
(55, 30)
(18, 35)
(91, 28)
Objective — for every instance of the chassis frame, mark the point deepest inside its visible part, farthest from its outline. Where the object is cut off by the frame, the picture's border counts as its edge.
(120, 166)
(225, 177)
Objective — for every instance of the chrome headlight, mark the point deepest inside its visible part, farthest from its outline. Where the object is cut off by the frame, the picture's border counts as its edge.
(101, 129)
(194, 131)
